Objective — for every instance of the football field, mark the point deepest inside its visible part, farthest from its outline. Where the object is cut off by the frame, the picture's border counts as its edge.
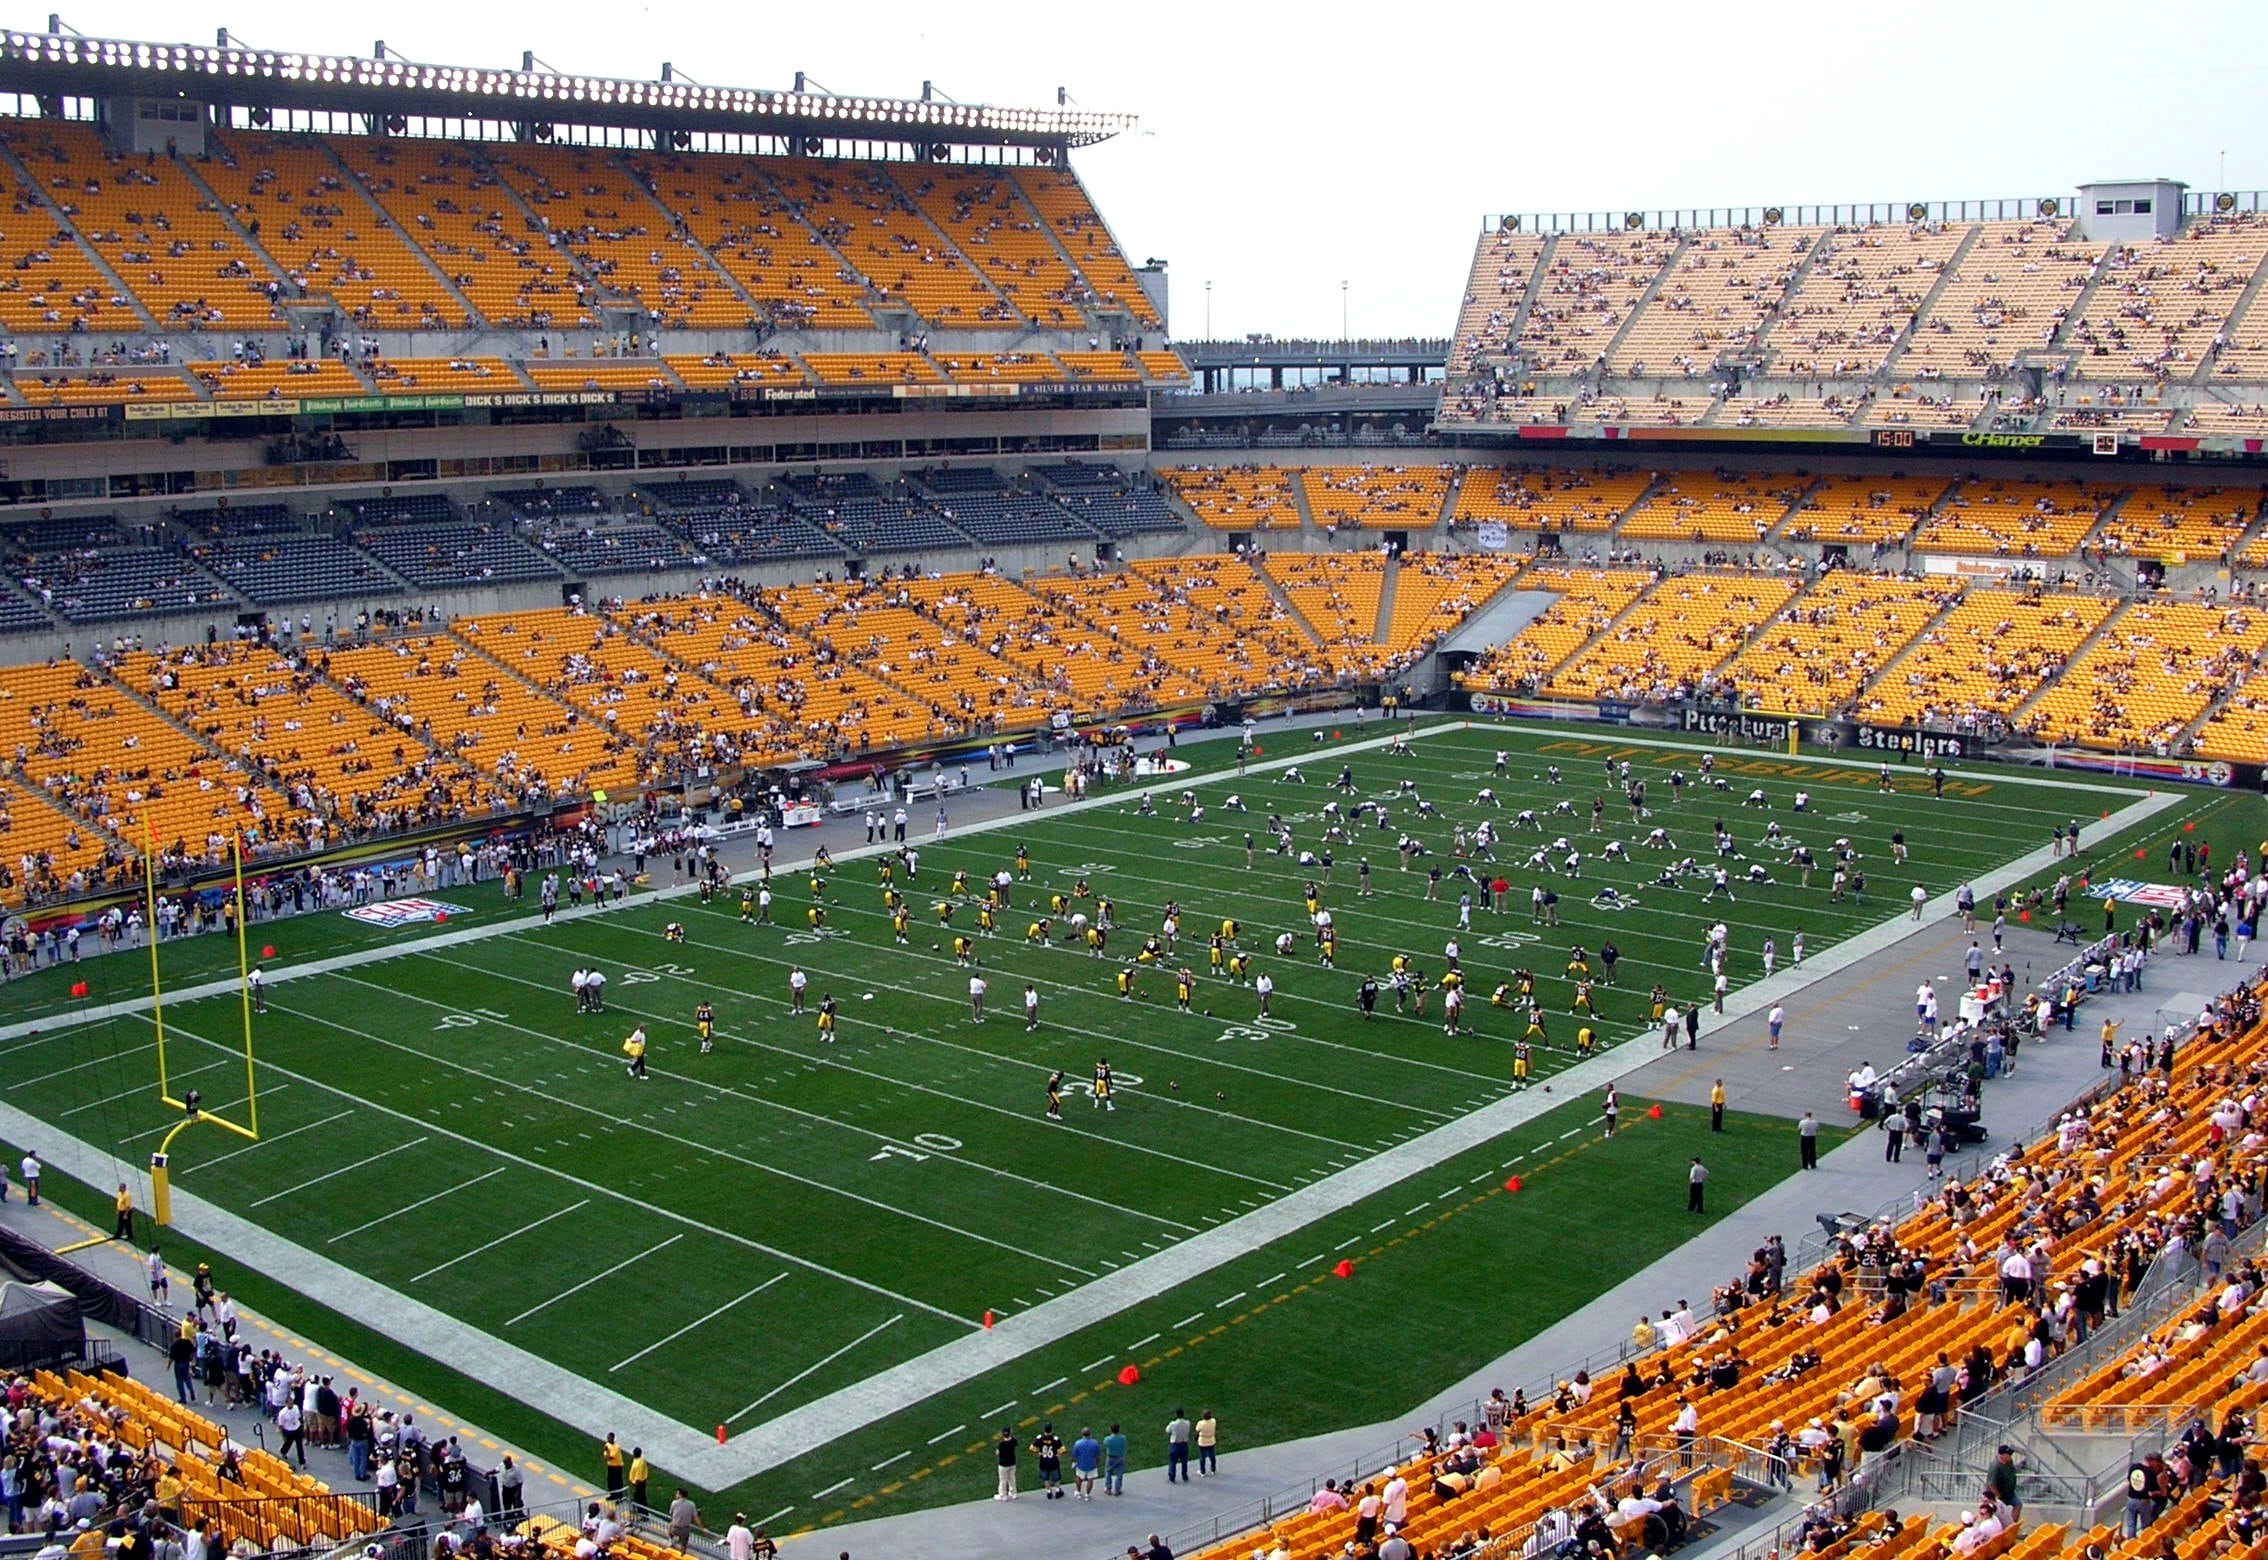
(855, 1254)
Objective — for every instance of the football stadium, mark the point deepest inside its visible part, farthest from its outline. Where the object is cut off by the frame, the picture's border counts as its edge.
(714, 845)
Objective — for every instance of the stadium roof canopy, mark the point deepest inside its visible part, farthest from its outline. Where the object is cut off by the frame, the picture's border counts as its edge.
(229, 75)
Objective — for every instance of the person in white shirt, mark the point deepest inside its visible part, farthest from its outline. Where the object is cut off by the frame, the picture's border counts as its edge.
(1685, 1427)
(740, 1541)
(1395, 1501)
(1031, 1007)
(2015, 1278)
(976, 999)
(1635, 1507)
(1264, 987)
(1976, 1532)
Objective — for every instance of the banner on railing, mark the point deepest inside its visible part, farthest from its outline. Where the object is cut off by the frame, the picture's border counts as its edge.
(1913, 740)
(1736, 723)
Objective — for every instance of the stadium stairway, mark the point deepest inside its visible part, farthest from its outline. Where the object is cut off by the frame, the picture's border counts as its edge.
(682, 232)
(1889, 668)
(1930, 300)
(1023, 200)
(1527, 304)
(1545, 674)
(1614, 527)
(1310, 533)
(2076, 311)
(1382, 632)
(1776, 542)
(603, 292)
(2203, 373)
(1822, 248)
(946, 242)
(1282, 598)
(374, 210)
(2022, 712)
(245, 236)
(21, 172)
(1646, 298)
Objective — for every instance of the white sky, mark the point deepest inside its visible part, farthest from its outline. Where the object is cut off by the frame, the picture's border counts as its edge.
(1287, 148)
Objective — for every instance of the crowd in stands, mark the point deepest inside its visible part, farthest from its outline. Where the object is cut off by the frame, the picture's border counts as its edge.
(1669, 643)
(1903, 1326)
(1820, 327)
(266, 735)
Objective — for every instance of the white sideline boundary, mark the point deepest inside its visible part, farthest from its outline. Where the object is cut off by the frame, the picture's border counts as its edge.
(588, 1407)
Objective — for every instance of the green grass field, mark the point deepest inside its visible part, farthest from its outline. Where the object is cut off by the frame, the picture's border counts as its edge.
(752, 1229)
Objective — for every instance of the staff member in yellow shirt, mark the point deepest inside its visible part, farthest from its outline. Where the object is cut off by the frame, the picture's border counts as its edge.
(1717, 1106)
(124, 1203)
(610, 1456)
(639, 1475)
(635, 1049)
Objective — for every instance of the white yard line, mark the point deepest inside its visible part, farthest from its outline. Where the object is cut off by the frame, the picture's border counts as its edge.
(266, 1142)
(596, 1277)
(491, 1245)
(689, 1326)
(46, 1033)
(422, 1202)
(223, 1105)
(126, 1094)
(332, 1175)
(815, 1366)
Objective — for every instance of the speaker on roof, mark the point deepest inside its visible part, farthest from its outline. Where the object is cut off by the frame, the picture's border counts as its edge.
(1045, 156)
(811, 145)
(2224, 202)
(397, 124)
(1773, 216)
(681, 139)
(1917, 212)
(938, 151)
(543, 130)
(2050, 206)
(1508, 225)
(1634, 220)
(262, 117)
